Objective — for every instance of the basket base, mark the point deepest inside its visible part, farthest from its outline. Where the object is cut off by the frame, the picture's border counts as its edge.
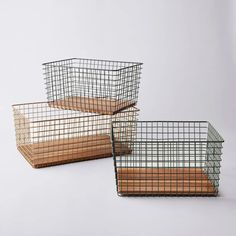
(164, 181)
(95, 105)
(64, 151)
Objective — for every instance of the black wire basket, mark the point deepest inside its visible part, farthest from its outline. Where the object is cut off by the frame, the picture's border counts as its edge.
(48, 136)
(98, 86)
(167, 158)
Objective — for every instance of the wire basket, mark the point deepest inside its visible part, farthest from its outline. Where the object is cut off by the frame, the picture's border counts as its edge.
(48, 136)
(98, 86)
(167, 158)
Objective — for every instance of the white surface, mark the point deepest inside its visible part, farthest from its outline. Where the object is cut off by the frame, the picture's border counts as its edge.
(189, 54)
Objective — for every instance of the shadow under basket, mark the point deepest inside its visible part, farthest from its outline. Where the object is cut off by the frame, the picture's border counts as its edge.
(89, 85)
(167, 158)
(48, 136)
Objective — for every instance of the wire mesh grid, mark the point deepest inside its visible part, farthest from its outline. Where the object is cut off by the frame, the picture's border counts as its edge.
(48, 136)
(89, 85)
(167, 158)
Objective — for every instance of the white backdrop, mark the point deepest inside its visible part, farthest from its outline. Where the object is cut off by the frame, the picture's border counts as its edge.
(189, 53)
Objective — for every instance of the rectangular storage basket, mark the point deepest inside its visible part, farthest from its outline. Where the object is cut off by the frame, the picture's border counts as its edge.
(167, 158)
(98, 86)
(48, 136)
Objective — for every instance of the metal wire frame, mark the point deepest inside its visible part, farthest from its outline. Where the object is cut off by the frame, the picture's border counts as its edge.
(48, 136)
(167, 158)
(90, 85)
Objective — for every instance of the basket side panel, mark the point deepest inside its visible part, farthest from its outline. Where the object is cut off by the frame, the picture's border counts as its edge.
(127, 86)
(59, 79)
(22, 128)
(212, 164)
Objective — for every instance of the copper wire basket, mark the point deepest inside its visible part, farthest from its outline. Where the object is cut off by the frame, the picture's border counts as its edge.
(47, 136)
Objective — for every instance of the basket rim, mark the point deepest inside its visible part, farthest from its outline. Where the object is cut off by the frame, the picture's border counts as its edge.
(163, 141)
(134, 64)
(218, 139)
(86, 114)
(164, 121)
(46, 102)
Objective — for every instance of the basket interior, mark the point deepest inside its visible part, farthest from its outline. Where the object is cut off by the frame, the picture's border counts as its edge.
(94, 64)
